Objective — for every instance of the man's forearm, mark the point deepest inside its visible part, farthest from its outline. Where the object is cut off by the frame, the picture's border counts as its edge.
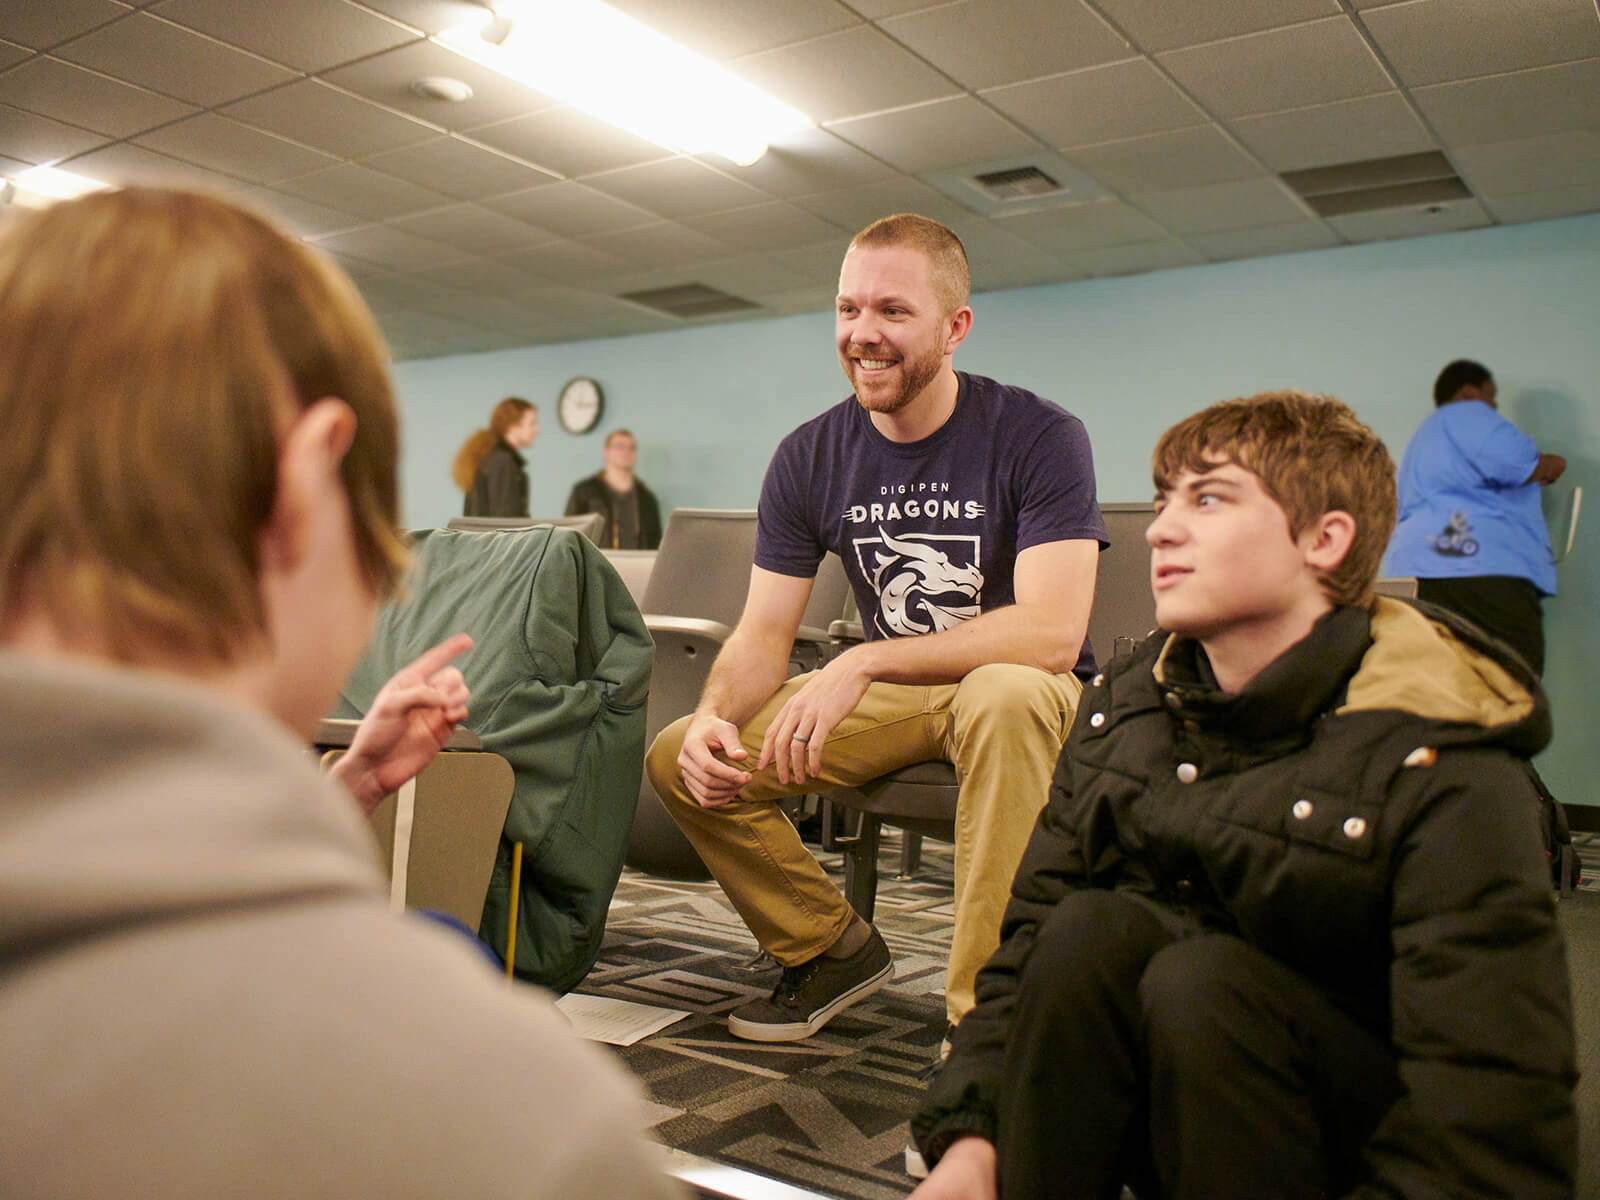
(746, 673)
(1014, 634)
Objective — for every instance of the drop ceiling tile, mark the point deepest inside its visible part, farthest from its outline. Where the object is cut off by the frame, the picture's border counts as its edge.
(943, 133)
(473, 229)
(1544, 206)
(234, 149)
(175, 61)
(812, 160)
(1097, 104)
(11, 54)
(314, 114)
(1085, 227)
(986, 238)
(1222, 206)
(569, 303)
(1435, 41)
(773, 226)
(567, 142)
(35, 139)
(743, 275)
(856, 208)
(300, 216)
(818, 263)
(387, 78)
(844, 74)
(1381, 126)
(664, 244)
(1157, 25)
(1315, 63)
(794, 301)
(429, 16)
(722, 30)
(565, 261)
(1263, 240)
(1165, 161)
(1502, 108)
(308, 35)
(40, 24)
(570, 209)
(1036, 270)
(1539, 164)
(985, 43)
(459, 168)
(84, 98)
(1389, 223)
(675, 188)
(1134, 259)
(479, 277)
(125, 164)
(363, 192)
(873, 9)
(487, 312)
(386, 246)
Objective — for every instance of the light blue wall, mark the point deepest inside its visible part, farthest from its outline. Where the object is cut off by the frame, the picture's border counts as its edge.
(1371, 324)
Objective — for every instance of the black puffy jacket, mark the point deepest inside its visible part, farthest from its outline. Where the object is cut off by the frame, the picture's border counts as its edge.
(1359, 813)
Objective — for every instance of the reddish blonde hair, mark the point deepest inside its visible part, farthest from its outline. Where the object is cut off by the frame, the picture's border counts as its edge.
(947, 257)
(152, 342)
(1313, 456)
(506, 414)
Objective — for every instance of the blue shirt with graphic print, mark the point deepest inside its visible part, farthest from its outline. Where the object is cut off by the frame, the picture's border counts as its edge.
(1466, 506)
(929, 531)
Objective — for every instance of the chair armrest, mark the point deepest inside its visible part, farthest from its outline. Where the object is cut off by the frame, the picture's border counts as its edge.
(694, 626)
(847, 631)
(336, 732)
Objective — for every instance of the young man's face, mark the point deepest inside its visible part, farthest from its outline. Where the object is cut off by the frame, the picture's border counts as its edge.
(890, 326)
(621, 452)
(1222, 560)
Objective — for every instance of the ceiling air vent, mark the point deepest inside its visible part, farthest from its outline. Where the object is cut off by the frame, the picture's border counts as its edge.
(689, 300)
(1404, 181)
(1017, 183)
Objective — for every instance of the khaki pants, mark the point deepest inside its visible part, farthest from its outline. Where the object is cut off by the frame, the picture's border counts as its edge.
(1002, 727)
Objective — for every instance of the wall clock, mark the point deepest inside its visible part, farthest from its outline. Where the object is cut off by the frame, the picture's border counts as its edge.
(580, 405)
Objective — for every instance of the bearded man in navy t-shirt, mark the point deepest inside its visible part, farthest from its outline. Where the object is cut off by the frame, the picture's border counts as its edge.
(965, 514)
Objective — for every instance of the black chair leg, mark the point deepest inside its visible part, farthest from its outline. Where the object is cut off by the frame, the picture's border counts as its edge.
(861, 867)
(910, 854)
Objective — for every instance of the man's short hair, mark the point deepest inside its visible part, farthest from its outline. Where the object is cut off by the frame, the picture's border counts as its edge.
(1312, 455)
(153, 346)
(616, 433)
(1459, 374)
(947, 257)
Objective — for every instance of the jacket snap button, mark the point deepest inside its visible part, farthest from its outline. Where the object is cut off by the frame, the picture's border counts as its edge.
(1188, 772)
(1097, 681)
(1097, 720)
(1302, 809)
(1174, 700)
(1354, 827)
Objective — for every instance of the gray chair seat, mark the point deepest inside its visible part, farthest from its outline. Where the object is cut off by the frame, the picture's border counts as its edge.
(920, 799)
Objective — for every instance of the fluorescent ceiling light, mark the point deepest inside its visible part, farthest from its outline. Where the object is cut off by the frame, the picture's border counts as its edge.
(594, 58)
(38, 186)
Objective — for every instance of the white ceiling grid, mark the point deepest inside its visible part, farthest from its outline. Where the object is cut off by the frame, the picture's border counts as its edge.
(512, 220)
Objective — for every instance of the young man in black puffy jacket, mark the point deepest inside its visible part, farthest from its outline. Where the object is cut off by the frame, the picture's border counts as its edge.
(1285, 927)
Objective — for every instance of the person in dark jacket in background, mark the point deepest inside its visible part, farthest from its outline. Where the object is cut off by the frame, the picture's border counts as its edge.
(1285, 926)
(633, 518)
(490, 468)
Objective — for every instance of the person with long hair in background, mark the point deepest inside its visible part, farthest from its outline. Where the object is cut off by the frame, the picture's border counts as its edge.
(490, 468)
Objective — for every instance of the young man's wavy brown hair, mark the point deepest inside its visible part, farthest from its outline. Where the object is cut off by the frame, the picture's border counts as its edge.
(154, 344)
(947, 257)
(1313, 456)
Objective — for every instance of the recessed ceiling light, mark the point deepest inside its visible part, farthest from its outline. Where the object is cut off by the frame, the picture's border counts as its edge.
(38, 186)
(588, 55)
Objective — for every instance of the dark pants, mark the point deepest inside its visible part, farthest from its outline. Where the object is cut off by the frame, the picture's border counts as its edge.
(1504, 606)
(1182, 1066)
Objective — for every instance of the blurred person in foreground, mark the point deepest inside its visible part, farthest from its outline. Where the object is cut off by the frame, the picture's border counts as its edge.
(203, 990)
(1284, 928)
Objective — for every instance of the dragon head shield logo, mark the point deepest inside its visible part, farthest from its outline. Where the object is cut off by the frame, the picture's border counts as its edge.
(925, 582)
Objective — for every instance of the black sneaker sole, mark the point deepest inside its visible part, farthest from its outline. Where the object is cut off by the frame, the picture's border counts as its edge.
(798, 1031)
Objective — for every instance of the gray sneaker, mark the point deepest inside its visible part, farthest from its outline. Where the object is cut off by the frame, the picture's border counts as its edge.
(809, 996)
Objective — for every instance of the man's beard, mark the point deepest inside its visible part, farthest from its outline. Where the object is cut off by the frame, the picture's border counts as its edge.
(915, 375)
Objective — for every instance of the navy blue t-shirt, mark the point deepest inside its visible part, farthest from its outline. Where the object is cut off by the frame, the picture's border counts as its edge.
(929, 531)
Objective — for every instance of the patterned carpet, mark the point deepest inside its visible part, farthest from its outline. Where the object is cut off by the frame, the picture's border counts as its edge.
(828, 1114)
